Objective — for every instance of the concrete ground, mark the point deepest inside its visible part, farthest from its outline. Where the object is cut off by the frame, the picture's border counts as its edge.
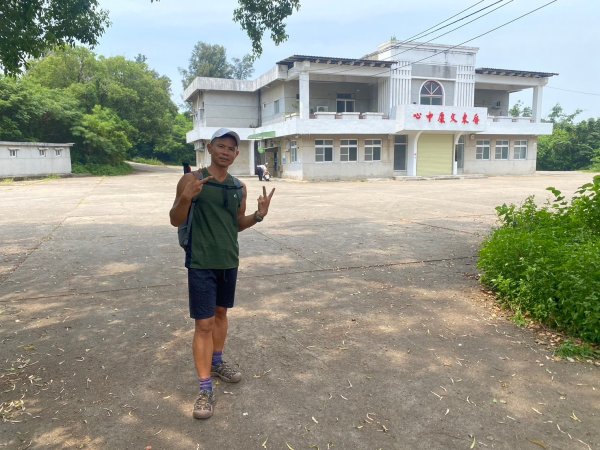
(360, 323)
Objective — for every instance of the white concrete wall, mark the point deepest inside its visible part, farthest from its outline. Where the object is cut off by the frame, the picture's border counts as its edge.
(230, 109)
(489, 99)
(337, 170)
(268, 96)
(29, 162)
(494, 166)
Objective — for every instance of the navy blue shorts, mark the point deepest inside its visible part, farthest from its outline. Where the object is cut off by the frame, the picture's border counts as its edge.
(209, 288)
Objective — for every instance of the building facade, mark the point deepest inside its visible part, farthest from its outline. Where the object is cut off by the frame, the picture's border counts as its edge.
(405, 110)
(30, 159)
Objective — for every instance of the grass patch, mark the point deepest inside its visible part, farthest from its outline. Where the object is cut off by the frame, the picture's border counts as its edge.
(571, 349)
(150, 161)
(5, 181)
(101, 169)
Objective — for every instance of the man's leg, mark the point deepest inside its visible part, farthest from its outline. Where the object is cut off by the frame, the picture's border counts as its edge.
(202, 346)
(202, 349)
(225, 300)
(219, 331)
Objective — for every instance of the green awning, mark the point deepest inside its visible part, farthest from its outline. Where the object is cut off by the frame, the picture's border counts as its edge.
(263, 135)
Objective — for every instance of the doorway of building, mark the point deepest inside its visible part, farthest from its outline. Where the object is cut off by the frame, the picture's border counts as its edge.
(272, 161)
(400, 146)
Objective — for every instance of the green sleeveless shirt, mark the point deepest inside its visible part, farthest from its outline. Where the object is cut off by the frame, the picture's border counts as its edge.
(214, 235)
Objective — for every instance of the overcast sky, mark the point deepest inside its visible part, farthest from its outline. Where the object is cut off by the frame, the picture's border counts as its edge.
(560, 38)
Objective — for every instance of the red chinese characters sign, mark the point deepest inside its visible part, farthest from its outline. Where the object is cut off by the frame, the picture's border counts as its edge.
(441, 118)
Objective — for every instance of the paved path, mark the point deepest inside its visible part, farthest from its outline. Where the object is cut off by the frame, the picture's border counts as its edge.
(359, 323)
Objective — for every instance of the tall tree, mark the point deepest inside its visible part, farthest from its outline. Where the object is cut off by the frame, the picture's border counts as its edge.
(242, 68)
(210, 60)
(30, 27)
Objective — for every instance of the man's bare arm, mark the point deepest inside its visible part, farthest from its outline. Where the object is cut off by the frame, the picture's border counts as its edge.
(188, 187)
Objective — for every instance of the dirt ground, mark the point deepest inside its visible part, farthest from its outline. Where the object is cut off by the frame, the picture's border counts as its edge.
(359, 323)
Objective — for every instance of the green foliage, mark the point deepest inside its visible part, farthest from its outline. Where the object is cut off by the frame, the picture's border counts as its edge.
(73, 96)
(104, 137)
(570, 349)
(30, 27)
(571, 146)
(173, 147)
(545, 262)
(101, 169)
(518, 110)
(149, 161)
(208, 60)
(258, 16)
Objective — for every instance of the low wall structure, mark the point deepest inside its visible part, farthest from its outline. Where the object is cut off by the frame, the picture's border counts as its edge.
(29, 159)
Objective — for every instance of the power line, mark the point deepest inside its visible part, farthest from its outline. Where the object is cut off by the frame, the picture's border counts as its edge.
(573, 91)
(448, 48)
(424, 33)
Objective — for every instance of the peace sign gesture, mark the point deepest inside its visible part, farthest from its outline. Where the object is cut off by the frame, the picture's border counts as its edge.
(264, 201)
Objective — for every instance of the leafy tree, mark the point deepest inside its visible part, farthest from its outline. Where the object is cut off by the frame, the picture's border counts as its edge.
(571, 146)
(558, 116)
(518, 110)
(30, 112)
(242, 68)
(207, 60)
(130, 89)
(104, 138)
(258, 16)
(210, 60)
(29, 27)
(174, 147)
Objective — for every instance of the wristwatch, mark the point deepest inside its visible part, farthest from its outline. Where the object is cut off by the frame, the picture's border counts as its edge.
(258, 217)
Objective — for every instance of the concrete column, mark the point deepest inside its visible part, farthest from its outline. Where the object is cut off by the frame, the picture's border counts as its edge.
(251, 158)
(304, 87)
(536, 107)
(411, 163)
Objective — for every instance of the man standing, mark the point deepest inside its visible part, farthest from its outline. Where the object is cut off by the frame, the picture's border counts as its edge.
(212, 257)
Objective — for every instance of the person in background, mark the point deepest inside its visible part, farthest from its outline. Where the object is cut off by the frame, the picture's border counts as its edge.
(261, 169)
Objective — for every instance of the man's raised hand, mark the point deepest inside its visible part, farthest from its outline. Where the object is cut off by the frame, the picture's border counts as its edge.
(264, 201)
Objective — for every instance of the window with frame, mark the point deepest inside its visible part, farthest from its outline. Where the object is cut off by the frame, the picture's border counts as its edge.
(293, 151)
(520, 150)
(501, 151)
(432, 93)
(482, 150)
(12, 152)
(323, 150)
(58, 152)
(276, 107)
(42, 152)
(345, 103)
(373, 150)
(348, 150)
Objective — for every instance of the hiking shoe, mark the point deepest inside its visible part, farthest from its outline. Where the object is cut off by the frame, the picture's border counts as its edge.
(203, 407)
(226, 373)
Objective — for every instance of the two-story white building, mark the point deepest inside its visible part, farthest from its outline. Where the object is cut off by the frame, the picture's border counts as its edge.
(404, 110)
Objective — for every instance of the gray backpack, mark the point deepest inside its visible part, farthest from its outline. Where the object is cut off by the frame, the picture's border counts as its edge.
(184, 230)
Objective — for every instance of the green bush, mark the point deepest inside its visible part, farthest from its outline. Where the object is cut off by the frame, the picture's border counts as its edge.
(545, 262)
(101, 169)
